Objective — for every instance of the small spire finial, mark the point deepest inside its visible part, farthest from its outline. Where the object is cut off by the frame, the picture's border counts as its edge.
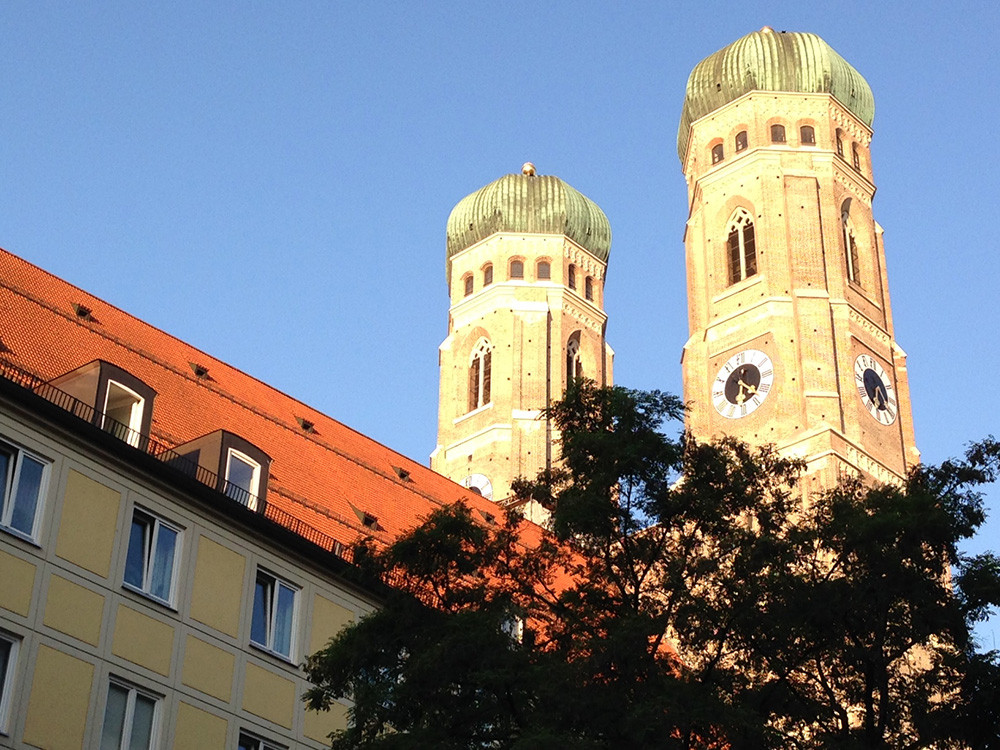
(528, 169)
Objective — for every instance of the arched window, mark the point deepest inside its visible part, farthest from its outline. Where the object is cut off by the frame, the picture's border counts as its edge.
(544, 270)
(468, 285)
(807, 134)
(480, 367)
(574, 366)
(741, 140)
(571, 277)
(718, 153)
(777, 134)
(740, 247)
(851, 256)
(488, 275)
(517, 269)
(855, 156)
(588, 288)
(840, 142)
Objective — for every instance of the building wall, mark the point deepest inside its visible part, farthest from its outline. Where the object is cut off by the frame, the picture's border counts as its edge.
(800, 308)
(529, 321)
(62, 598)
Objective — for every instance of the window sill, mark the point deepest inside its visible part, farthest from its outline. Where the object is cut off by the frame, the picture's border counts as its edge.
(149, 597)
(20, 535)
(468, 414)
(739, 286)
(273, 654)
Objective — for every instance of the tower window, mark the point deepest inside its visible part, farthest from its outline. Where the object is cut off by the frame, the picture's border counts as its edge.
(571, 277)
(544, 269)
(480, 374)
(517, 269)
(807, 134)
(588, 288)
(777, 134)
(574, 365)
(855, 156)
(740, 247)
(487, 275)
(468, 285)
(840, 142)
(851, 256)
(718, 153)
(741, 140)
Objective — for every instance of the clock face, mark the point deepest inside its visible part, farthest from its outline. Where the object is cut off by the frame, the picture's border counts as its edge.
(875, 389)
(480, 484)
(742, 384)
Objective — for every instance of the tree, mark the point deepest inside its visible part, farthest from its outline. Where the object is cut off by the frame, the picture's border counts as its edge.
(687, 597)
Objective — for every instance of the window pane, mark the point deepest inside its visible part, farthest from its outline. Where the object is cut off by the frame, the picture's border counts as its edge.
(487, 375)
(544, 270)
(135, 560)
(517, 269)
(5, 649)
(261, 605)
(6, 465)
(142, 723)
(29, 486)
(750, 250)
(283, 620)
(163, 563)
(114, 718)
(248, 743)
(239, 479)
(488, 276)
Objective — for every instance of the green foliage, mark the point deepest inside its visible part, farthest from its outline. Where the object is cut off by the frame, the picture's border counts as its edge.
(689, 596)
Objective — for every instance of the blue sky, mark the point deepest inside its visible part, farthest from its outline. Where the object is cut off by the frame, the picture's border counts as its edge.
(270, 181)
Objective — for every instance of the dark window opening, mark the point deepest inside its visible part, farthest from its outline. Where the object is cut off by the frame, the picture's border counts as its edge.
(588, 289)
(777, 134)
(468, 285)
(741, 140)
(808, 134)
(487, 275)
(571, 277)
(718, 154)
(544, 269)
(741, 248)
(517, 269)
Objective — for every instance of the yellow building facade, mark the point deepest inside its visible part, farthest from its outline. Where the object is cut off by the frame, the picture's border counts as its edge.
(791, 337)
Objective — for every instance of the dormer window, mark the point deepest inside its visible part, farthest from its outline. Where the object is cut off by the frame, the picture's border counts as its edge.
(242, 478)
(111, 398)
(777, 133)
(123, 412)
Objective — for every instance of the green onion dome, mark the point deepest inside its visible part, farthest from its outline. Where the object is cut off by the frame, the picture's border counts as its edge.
(528, 203)
(769, 60)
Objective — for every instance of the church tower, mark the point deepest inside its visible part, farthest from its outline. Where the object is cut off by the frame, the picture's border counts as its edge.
(791, 335)
(526, 262)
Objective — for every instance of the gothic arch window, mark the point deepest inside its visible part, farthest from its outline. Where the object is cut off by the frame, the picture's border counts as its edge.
(517, 269)
(571, 277)
(588, 288)
(777, 133)
(488, 275)
(480, 374)
(469, 284)
(544, 270)
(807, 134)
(718, 153)
(741, 141)
(851, 256)
(741, 249)
(574, 365)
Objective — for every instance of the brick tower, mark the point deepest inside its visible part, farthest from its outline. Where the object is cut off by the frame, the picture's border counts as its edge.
(526, 262)
(791, 335)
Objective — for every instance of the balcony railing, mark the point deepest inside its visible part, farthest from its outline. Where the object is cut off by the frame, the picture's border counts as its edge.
(230, 493)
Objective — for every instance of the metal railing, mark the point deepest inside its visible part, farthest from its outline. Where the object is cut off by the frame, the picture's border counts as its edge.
(228, 492)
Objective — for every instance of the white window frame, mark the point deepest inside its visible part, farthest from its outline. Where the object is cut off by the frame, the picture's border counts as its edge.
(10, 484)
(7, 684)
(149, 557)
(133, 692)
(272, 612)
(254, 741)
(135, 414)
(254, 482)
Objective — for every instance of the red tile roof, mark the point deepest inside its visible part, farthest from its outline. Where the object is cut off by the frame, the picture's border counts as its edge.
(315, 476)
